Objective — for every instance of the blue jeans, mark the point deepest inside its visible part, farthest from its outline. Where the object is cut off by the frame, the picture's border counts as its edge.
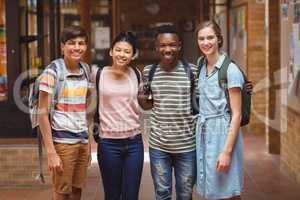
(184, 165)
(121, 165)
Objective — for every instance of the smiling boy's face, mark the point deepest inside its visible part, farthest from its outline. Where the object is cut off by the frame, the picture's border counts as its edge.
(74, 49)
(168, 47)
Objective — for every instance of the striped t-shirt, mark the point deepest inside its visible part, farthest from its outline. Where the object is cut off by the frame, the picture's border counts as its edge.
(68, 123)
(171, 122)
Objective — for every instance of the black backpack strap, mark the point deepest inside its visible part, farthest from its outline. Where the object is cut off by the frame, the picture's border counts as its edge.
(152, 72)
(191, 76)
(200, 63)
(98, 74)
(96, 115)
(138, 74)
(222, 75)
(188, 71)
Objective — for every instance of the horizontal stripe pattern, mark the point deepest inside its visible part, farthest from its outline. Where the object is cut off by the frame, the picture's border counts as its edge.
(171, 121)
(70, 107)
(71, 92)
(69, 118)
(66, 138)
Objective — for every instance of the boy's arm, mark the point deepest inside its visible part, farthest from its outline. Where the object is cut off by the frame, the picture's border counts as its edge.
(54, 162)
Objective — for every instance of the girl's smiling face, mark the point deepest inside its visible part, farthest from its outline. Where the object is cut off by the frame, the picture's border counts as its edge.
(208, 41)
(121, 53)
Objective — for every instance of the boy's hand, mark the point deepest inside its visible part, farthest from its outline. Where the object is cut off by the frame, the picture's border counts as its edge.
(55, 163)
(144, 91)
(249, 87)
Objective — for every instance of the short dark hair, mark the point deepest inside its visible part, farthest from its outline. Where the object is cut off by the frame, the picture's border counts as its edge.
(72, 32)
(215, 27)
(166, 29)
(126, 36)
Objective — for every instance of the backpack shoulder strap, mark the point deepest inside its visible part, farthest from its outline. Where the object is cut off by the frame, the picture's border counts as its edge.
(96, 115)
(138, 74)
(188, 70)
(191, 76)
(200, 63)
(152, 72)
(86, 70)
(98, 74)
(222, 79)
(61, 72)
(222, 73)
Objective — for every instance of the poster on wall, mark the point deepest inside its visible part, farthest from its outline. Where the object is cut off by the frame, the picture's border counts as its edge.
(238, 36)
(294, 60)
(102, 38)
(221, 19)
(296, 13)
(284, 11)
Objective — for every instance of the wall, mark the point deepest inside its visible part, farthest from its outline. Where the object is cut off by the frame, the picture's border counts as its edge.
(290, 137)
(290, 148)
(19, 166)
(256, 61)
(134, 13)
(273, 67)
(135, 17)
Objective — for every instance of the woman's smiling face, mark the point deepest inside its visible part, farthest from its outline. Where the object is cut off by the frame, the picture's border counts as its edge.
(207, 41)
(121, 53)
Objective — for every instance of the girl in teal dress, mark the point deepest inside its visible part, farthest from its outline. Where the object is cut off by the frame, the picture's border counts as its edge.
(219, 138)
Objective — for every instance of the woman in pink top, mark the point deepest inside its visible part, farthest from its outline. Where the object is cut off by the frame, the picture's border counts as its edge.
(120, 145)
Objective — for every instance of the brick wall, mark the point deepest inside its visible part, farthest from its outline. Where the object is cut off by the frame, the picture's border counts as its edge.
(290, 137)
(290, 148)
(256, 60)
(19, 166)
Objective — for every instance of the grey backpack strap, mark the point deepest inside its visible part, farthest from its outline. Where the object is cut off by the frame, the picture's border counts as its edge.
(86, 70)
(40, 177)
(61, 72)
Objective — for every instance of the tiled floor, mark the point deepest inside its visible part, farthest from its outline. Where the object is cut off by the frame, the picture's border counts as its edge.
(263, 179)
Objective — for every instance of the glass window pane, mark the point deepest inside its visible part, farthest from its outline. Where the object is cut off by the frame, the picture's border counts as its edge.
(3, 60)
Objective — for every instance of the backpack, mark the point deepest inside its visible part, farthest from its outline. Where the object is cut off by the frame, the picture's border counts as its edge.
(246, 95)
(190, 74)
(61, 71)
(97, 115)
(33, 99)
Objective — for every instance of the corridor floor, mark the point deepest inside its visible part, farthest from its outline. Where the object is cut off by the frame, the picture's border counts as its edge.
(264, 180)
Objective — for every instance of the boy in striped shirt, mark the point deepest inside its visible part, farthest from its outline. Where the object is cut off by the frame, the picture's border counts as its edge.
(65, 133)
(172, 135)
